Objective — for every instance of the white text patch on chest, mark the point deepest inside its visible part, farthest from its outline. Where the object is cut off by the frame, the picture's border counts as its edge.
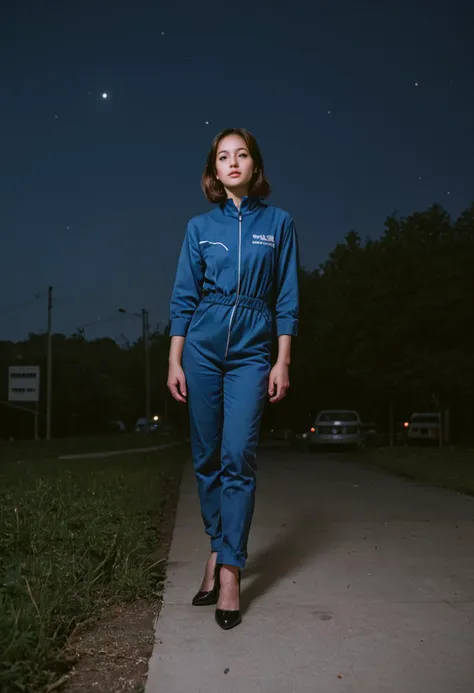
(263, 239)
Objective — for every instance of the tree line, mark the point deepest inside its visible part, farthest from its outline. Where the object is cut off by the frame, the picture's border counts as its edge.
(386, 325)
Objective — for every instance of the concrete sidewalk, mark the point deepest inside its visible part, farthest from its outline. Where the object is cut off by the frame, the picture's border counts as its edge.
(357, 581)
(113, 453)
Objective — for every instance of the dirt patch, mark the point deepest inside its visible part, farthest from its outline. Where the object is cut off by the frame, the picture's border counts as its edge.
(113, 656)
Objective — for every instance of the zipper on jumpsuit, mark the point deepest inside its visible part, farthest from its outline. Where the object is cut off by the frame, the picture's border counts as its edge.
(238, 287)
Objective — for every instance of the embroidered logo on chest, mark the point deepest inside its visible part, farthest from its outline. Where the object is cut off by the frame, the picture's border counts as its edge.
(263, 239)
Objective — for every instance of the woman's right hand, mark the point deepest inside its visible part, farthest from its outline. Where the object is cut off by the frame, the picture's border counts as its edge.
(177, 382)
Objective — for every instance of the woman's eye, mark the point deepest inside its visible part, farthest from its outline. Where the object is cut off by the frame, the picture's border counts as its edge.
(243, 154)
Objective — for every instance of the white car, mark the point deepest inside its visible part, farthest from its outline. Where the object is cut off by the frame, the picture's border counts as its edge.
(336, 427)
(141, 427)
(423, 426)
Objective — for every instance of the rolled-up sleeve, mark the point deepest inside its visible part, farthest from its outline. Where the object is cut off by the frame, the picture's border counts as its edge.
(187, 289)
(287, 291)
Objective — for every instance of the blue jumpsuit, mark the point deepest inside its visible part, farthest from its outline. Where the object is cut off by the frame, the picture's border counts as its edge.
(236, 281)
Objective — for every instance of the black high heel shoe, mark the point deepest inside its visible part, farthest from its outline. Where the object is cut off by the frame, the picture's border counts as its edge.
(229, 619)
(203, 598)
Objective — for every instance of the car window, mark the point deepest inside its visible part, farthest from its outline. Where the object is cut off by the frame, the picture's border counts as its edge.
(337, 416)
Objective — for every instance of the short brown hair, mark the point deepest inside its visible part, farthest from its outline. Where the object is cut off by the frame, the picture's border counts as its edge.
(214, 189)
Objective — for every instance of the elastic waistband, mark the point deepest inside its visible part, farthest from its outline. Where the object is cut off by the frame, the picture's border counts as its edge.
(243, 301)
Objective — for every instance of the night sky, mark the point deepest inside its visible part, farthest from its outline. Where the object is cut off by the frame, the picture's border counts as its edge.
(360, 108)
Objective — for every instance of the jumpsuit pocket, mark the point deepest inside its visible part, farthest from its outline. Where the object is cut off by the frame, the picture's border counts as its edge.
(265, 331)
(198, 315)
(270, 325)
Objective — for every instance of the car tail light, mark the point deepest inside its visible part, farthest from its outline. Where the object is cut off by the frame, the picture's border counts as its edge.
(406, 424)
(312, 430)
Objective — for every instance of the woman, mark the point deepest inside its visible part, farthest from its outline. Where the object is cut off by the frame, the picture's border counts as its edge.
(236, 280)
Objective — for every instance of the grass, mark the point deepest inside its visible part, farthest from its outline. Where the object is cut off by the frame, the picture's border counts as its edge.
(447, 467)
(76, 537)
(29, 449)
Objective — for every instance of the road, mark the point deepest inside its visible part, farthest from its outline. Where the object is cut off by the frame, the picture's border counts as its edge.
(357, 582)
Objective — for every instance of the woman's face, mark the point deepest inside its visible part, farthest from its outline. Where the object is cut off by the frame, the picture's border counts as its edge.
(234, 165)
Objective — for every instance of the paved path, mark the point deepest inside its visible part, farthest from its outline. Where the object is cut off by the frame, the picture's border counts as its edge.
(112, 453)
(357, 582)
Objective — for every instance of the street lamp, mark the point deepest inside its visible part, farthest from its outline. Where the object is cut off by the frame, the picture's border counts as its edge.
(146, 345)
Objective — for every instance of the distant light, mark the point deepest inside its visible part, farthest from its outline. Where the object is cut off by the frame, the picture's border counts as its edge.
(156, 418)
(406, 424)
(312, 430)
(104, 95)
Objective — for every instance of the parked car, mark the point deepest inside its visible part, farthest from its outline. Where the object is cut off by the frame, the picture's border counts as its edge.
(117, 426)
(423, 427)
(140, 425)
(336, 427)
(155, 425)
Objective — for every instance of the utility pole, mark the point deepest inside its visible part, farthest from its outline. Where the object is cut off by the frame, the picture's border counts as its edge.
(166, 404)
(146, 345)
(146, 350)
(391, 440)
(49, 365)
(36, 414)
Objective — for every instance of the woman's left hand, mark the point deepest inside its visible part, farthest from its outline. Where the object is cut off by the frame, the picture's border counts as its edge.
(278, 382)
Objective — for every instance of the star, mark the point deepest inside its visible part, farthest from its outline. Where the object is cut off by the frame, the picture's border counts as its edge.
(416, 84)
(448, 193)
(104, 95)
(55, 116)
(162, 33)
(207, 122)
(329, 112)
(419, 177)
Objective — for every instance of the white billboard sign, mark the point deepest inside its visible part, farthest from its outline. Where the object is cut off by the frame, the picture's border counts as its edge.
(23, 383)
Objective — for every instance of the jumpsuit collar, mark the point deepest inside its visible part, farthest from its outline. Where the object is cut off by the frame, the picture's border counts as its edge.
(248, 206)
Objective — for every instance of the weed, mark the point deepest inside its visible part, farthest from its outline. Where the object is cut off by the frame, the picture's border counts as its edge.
(75, 538)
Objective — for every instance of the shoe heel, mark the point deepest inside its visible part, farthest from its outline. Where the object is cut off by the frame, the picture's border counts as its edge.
(229, 619)
(209, 598)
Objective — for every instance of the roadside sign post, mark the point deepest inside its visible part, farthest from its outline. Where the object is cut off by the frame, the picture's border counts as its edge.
(24, 386)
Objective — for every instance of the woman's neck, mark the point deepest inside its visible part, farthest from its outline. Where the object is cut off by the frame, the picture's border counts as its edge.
(237, 197)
